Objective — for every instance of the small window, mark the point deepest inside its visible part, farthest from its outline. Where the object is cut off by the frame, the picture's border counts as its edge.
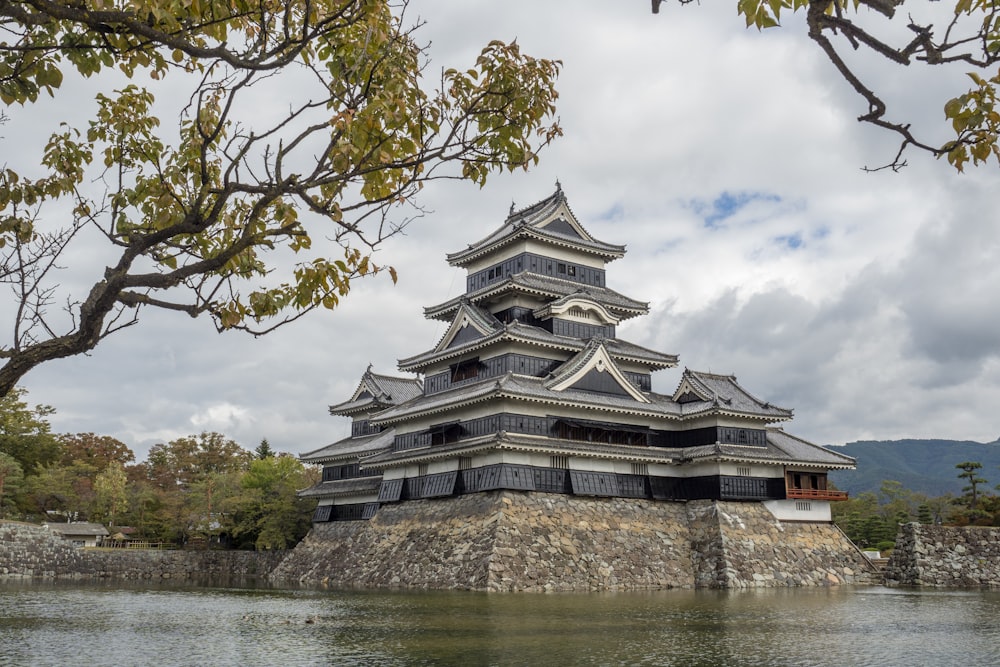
(465, 463)
(562, 268)
(640, 468)
(803, 506)
(743, 471)
(465, 370)
(571, 270)
(422, 469)
(560, 462)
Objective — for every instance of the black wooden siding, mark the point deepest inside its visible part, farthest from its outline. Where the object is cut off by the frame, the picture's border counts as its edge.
(750, 437)
(498, 366)
(573, 429)
(545, 266)
(333, 473)
(551, 426)
(573, 329)
(349, 512)
(361, 427)
(581, 483)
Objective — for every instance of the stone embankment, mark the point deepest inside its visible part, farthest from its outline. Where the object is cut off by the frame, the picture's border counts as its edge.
(31, 551)
(515, 541)
(945, 556)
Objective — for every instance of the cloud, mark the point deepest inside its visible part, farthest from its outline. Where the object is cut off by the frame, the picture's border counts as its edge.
(728, 161)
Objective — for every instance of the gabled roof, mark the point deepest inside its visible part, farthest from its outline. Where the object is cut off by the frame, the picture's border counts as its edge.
(376, 392)
(470, 323)
(545, 287)
(517, 332)
(350, 449)
(722, 391)
(550, 220)
(593, 359)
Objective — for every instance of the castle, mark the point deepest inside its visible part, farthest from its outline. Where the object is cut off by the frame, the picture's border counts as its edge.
(531, 395)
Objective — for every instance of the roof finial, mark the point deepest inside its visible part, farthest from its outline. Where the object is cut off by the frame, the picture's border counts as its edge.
(558, 186)
(369, 369)
(511, 208)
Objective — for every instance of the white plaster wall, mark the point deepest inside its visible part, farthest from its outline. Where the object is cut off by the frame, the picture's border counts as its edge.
(795, 510)
(756, 470)
(354, 500)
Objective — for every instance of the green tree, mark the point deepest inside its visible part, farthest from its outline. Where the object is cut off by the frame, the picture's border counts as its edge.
(973, 481)
(270, 513)
(111, 493)
(25, 433)
(182, 462)
(958, 33)
(60, 492)
(192, 481)
(264, 450)
(206, 215)
(11, 478)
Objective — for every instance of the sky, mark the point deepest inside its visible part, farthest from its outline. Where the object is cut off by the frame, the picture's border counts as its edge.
(729, 162)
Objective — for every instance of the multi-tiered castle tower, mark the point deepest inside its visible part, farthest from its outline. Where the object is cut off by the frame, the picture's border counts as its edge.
(530, 389)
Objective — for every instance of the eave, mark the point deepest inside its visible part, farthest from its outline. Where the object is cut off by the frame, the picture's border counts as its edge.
(546, 287)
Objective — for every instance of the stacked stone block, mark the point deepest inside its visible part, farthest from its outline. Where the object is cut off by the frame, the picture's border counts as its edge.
(945, 556)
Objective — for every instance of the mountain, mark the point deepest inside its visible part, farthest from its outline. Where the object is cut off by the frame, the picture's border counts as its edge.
(926, 466)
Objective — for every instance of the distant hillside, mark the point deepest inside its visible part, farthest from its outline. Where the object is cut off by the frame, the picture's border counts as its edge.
(927, 466)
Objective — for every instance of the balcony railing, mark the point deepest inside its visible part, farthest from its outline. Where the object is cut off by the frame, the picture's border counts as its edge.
(815, 494)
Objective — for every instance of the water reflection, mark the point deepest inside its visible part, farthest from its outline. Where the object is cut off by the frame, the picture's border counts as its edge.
(110, 625)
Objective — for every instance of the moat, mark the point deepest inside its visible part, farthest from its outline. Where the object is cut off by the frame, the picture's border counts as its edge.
(73, 623)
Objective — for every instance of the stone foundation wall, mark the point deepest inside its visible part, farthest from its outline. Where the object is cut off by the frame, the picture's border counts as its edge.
(516, 541)
(30, 551)
(945, 556)
(742, 545)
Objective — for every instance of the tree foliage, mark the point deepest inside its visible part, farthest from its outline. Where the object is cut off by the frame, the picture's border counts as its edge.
(25, 433)
(97, 450)
(11, 478)
(305, 129)
(269, 514)
(964, 33)
(970, 474)
(111, 493)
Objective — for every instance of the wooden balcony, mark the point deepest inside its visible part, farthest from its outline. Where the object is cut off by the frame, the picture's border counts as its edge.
(815, 494)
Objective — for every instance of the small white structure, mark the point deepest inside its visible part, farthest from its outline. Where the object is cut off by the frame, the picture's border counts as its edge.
(80, 533)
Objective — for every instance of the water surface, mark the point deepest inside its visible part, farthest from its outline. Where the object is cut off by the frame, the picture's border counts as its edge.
(65, 624)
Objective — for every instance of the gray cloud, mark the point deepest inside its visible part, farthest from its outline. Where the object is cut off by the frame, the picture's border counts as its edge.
(867, 302)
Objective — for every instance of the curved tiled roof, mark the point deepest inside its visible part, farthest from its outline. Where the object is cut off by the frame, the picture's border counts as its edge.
(343, 487)
(382, 391)
(724, 392)
(781, 447)
(350, 448)
(529, 389)
(531, 222)
(526, 333)
(547, 287)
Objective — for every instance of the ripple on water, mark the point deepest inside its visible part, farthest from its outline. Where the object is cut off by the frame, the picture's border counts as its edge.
(108, 625)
